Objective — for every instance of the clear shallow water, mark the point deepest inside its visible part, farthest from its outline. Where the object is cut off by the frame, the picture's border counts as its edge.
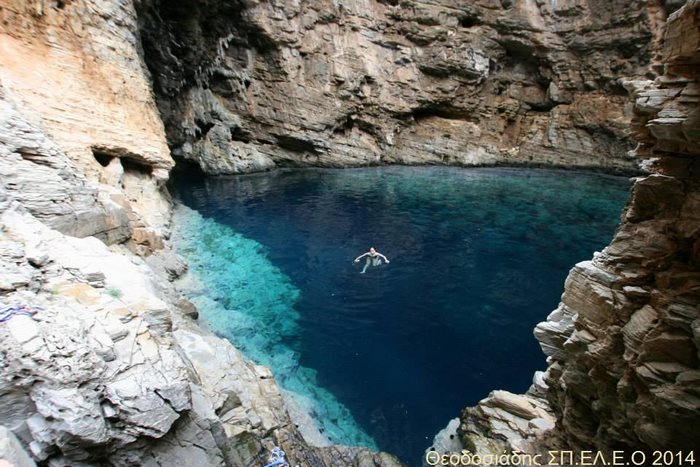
(386, 358)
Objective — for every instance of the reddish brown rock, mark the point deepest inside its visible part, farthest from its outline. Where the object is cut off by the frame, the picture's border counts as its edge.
(75, 71)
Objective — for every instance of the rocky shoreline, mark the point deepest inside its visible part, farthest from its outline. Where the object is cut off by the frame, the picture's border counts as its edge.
(106, 365)
(110, 370)
(622, 347)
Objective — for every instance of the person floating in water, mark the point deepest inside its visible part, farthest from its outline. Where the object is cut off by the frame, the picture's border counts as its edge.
(374, 258)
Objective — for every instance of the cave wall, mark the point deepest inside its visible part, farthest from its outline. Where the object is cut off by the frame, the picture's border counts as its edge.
(252, 85)
(623, 346)
(81, 128)
(626, 370)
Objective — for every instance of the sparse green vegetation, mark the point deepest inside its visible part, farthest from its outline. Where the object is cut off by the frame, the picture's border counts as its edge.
(114, 292)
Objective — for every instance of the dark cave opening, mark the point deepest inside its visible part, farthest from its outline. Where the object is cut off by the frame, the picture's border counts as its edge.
(202, 128)
(135, 165)
(469, 22)
(441, 110)
(184, 169)
(102, 157)
(239, 134)
(295, 144)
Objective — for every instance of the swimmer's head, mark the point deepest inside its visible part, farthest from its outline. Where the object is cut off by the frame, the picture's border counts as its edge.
(372, 250)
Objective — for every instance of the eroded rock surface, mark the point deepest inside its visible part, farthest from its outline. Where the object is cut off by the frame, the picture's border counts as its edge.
(623, 347)
(110, 371)
(629, 358)
(36, 173)
(251, 85)
(74, 71)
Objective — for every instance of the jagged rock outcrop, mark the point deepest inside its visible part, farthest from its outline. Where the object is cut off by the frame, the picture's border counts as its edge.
(37, 174)
(623, 347)
(501, 423)
(74, 69)
(625, 369)
(108, 372)
(251, 85)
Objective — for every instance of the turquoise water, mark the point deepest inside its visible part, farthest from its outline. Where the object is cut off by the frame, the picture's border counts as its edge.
(385, 359)
(242, 296)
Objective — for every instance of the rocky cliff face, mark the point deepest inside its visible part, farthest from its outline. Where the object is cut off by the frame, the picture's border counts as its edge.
(100, 362)
(623, 346)
(252, 85)
(626, 368)
(75, 71)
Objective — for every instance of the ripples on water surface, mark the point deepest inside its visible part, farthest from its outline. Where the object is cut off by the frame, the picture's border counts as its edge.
(386, 358)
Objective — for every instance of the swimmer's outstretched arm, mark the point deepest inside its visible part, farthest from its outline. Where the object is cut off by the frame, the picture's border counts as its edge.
(363, 254)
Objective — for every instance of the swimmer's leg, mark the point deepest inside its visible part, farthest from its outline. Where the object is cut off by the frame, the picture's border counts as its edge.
(376, 261)
(367, 263)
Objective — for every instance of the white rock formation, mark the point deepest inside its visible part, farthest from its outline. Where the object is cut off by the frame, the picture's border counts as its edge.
(107, 371)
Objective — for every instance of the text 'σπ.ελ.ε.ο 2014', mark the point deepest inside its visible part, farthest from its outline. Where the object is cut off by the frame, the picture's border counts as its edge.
(564, 458)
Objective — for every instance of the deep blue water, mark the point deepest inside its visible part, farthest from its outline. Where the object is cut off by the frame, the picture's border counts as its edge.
(386, 358)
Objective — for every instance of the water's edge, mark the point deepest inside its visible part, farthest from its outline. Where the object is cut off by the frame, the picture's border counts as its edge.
(298, 387)
(324, 419)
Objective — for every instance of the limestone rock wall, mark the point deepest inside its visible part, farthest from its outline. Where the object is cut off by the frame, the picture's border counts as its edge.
(625, 359)
(74, 71)
(623, 347)
(111, 371)
(37, 174)
(246, 85)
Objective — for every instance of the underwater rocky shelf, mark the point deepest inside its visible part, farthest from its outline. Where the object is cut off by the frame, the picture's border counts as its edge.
(383, 359)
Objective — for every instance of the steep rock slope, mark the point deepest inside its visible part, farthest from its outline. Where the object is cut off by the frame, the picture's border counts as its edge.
(75, 71)
(251, 85)
(623, 347)
(626, 370)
